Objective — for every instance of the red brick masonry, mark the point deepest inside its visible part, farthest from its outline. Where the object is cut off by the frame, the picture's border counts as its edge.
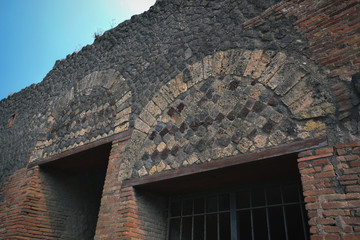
(331, 184)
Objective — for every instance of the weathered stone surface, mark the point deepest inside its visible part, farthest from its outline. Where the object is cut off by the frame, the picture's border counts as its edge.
(260, 141)
(198, 95)
(152, 108)
(314, 125)
(161, 147)
(125, 98)
(148, 57)
(141, 126)
(275, 65)
(302, 103)
(244, 145)
(277, 137)
(147, 118)
(296, 93)
(321, 110)
(286, 78)
(355, 81)
(170, 91)
(161, 166)
(254, 60)
(236, 114)
(160, 101)
(262, 64)
(215, 82)
(142, 172)
(232, 112)
(123, 113)
(197, 74)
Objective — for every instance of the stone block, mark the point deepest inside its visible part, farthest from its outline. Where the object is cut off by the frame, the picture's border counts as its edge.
(297, 92)
(244, 145)
(169, 91)
(260, 141)
(228, 151)
(208, 68)
(122, 120)
(160, 101)
(275, 65)
(161, 147)
(153, 109)
(314, 126)
(242, 62)
(142, 172)
(301, 104)
(125, 98)
(276, 117)
(259, 121)
(123, 113)
(197, 74)
(152, 170)
(147, 118)
(235, 65)
(180, 85)
(320, 110)
(141, 126)
(220, 62)
(253, 62)
(286, 78)
(193, 159)
(226, 62)
(277, 137)
(116, 79)
(262, 64)
(161, 166)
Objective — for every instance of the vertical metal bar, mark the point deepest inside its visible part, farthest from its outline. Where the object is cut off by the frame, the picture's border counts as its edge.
(181, 217)
(284, 215)
(302, 210)
(205, 218)
(168, 228)
(217, 217)
(233, 223)
(192, 218)
(267, 214)
(251, 215)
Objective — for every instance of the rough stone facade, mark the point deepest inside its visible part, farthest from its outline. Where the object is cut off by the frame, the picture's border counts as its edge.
(187, 85)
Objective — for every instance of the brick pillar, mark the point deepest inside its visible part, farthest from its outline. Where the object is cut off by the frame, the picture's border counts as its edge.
(109, 219)
(124, 212)
(10, 207)
(129, 224)
(330, 179)
(24, 211)
(142, 215)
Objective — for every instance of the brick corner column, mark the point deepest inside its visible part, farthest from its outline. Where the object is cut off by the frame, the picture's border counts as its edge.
(24, 211)
(109, 219)
(130, 223)
(331, 179)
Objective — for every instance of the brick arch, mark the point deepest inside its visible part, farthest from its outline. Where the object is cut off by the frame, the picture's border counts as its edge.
(102, 97)
(232, 102)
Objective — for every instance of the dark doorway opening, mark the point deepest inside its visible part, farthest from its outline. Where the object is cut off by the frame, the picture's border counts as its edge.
(73, 189)
(261, 199)
(257, 200)
(270, 210)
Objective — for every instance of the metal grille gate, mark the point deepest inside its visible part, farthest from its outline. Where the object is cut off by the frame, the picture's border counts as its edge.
(272, 211)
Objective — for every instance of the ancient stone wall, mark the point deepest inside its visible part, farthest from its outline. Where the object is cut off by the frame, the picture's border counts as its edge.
(185, 84)
(192, 32)
(230, 103)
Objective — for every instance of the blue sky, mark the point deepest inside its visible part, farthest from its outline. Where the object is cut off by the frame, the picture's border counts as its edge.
(36, 33)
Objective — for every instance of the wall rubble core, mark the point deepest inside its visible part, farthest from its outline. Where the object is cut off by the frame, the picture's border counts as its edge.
(181, 86)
